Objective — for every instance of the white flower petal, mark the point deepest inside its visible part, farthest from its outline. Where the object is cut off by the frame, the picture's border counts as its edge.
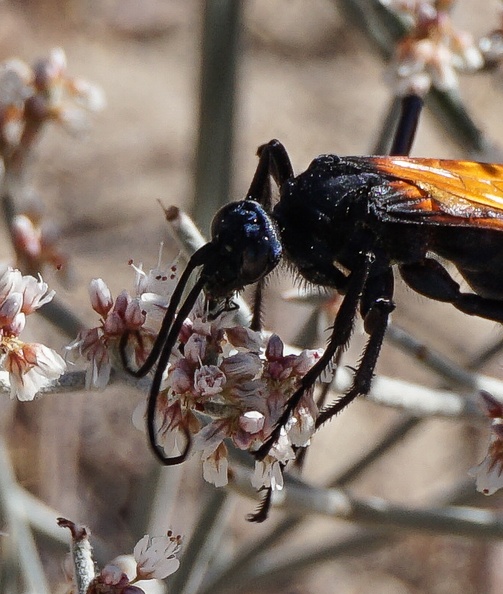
(489, 476)
(155, 557)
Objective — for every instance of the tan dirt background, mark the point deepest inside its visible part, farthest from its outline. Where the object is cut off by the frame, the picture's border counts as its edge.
(308, 78)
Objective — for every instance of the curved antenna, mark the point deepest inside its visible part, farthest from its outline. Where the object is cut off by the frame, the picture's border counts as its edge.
(157, 379)
(199, 258)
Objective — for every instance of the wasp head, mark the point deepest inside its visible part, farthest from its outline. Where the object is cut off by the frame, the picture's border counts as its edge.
(245, 247)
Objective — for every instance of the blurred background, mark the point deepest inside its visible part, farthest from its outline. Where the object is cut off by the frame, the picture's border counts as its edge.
(307, 74)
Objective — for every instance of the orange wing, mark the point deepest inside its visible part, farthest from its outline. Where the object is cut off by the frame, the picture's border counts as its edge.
(444, 192)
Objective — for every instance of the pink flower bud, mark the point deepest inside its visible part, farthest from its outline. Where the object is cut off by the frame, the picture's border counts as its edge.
(195, 348)
(16, 326)
(25, 237)
(274, 350)
(180, 380)
(101, 298)
(121, 303)
(252, 421)
(241, 366)
(112, 575)
(114, 324)
(134, 317)
(239, 336)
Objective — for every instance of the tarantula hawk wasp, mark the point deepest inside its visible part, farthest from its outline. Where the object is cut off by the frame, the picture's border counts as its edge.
(345, 223)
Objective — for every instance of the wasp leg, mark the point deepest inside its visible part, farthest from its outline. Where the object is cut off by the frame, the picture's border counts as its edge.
(264, 506)
(406, 129)
(431, 279)
(376, 307)
(341, 334)
(273, 162)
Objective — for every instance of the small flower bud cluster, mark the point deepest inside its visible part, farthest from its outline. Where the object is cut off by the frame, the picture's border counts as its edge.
(433, 51)
(489, 473)
(98, 344)
(30, 96)
(31, 366)
(140, 316)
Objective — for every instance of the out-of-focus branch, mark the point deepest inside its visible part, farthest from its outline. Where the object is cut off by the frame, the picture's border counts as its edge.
(219, 56)
(302, 498)
(202, 546)
(20, 545)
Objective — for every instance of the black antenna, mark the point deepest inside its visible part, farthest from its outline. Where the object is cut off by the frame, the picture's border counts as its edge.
(157, 380)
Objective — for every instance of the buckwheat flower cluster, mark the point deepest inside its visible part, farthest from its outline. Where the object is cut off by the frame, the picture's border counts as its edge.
(219, 386)
(31, 366)
(433, 52)
(154, 558)
(140, 316)
(489, 473)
